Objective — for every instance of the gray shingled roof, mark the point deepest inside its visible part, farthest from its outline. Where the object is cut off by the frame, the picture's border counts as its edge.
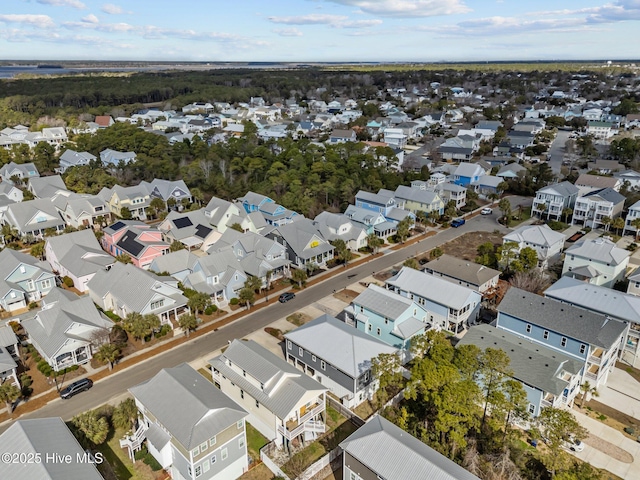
(7, 337)
(189, 406)
(415, 194)
(44, 436)
(79, 252)
(606, 194)
(23, 212)
(599, 249)
(434, 288)
(596, 299)
(383, 302)
(535, 234)
(574, 322)
(298, 234)
(394, 454)
(46, 187)
(344, 347)
(284, 385)
(531, 363)
(564, 189)
(469, 272)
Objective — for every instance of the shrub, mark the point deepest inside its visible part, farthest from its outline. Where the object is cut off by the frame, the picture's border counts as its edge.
(33, 305)
(555, 225)
(234, 301)
(164, 330)
(112, 316)
(67, 281)
(211, 309)
(144, 456)
(275, 332)
(602, 418)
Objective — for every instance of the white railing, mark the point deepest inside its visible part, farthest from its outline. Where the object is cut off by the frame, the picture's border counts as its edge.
(134, 441)
(304, 424)
(591, 376)
(595, 360)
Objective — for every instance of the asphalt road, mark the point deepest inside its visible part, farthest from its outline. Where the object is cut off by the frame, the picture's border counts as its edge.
(556, 151)
(114, 386)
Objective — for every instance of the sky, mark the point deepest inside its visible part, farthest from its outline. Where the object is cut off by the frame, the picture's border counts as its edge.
(320, 30)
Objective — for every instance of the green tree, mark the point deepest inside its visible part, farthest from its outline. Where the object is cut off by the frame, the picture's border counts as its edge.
(618, 224)
(528, 258)
(125, 213)
(387, 369)
(247, 296)
(237, 227)
(566, 213)
(506, 254)
(555, 425)
(125, 415)
(450, 209)
(9, 393)
(402, 229)
(108, 353)
(411, 263)
(486, 254)
(156, 206)
(176, 246)
(587, 389)
(198, 302)
(92, 427)
(37, 250)
(123, 258)
(494, 370)
(436, 253)
(606, 221)
(299, 276)
(342, 252)
(188, 322)
(505, 207)
(253, 283)
(374, 242)
(136, 325)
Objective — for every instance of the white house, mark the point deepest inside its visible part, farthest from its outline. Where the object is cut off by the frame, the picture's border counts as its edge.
(598, 261)
(592, 209)
(553, 199)
(547, 243)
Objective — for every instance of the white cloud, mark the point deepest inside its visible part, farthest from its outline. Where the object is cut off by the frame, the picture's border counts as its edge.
(40, 21)
(359, 24)
(91, 18)
(112, 9)
(64, 3)
(311, 19)
(288, 32)
(407, 8)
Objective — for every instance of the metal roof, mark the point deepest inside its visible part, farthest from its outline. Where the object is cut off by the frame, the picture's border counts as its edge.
(346, 348)
(469, 272)
(383, 302)
(536, 235)
(394, 454)
(189, 406)
(599, 249)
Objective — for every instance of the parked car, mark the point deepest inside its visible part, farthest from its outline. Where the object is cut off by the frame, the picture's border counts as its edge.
(285, 297)
(458, 222)
(486, 211)
(75, 388)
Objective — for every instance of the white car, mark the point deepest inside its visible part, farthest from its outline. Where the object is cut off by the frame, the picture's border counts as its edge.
(577, 446)
(486, 211)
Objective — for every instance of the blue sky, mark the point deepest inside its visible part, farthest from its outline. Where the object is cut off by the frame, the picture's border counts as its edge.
(319, 30)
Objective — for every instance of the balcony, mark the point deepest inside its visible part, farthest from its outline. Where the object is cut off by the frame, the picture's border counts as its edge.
(134, 441)
(596, 356)
(305, 423)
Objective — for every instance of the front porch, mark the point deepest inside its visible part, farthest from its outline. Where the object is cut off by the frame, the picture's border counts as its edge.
(77, 357)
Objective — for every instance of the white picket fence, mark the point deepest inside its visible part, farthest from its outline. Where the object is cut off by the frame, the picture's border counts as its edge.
(320, 464)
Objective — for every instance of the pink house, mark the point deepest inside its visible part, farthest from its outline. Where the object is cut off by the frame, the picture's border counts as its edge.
(136, 239)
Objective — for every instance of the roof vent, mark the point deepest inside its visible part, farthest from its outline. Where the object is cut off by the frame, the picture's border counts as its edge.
(530, 358)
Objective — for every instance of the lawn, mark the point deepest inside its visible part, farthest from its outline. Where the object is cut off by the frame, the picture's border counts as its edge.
(119, 461)
(255, 441)
(259, 472)
(298, 319)
(517, 218)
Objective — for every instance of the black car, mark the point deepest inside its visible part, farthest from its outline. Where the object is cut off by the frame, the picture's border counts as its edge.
(285, 297)
(75, 388)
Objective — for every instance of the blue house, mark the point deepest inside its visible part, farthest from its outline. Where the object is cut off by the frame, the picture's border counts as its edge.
(594, 340)
(387, 316)
(384, 203)
(273, 213)
(467, 173)
(252, 202)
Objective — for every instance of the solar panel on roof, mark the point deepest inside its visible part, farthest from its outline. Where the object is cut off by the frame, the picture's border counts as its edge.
(117, 226)
(182, 222)
(130, 245)
(202, 231)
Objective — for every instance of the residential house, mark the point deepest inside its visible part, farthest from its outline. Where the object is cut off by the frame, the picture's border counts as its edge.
(381, 450)
(82, 211)
(593, 208)
(593, 339)
(8, 355)
(597, 261)
(394, 137)
(547, 243)
(104, 121)
(548, 377)
(467, 173)
(449, 306)
(125, 289)
(113, 158)
(11, 192)
(553, 199)
(21, 172)
(387, 316)
(463, 272)
(23, 280)
(605, 301)
(139, 241)
(222, 214)
(633, 288)
(169, 191)
(136, 199)
(283, 403)
(520, 139)
(417, 200)
(191, 428)
(65, 330)
(77, 255)
(338, 356)
(385, 202)
(630, 178)
(304, 243)
(342, 136)
(218, 274)
(511, 171)
(71, 158)
(178, 264)
(601, 130)
(47, 187)
(487, 185)
(336, 226)
(606, 167)
(192, 229)
(632, 214)
(457, 148)
(45, 438)
(273, 213)
(370, 221)
(588, 183)
(446, 191)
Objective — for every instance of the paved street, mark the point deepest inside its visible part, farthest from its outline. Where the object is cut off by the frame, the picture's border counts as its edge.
(556, 151)
(113, 386)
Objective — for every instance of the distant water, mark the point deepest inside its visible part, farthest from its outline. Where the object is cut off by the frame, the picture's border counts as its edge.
(12, 71)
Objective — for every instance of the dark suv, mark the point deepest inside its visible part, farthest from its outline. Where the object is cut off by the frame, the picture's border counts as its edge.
(285, 297)
(75, 388)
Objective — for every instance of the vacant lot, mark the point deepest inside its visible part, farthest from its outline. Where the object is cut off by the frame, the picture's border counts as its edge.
(466, 246)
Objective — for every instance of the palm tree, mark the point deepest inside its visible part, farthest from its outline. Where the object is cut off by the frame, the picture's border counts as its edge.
(606, 221)
(374, 242)
(566, 213)
(198, 302)
(92, 427)
(9, 393)
(505, 207)
(587, 389)
(635, 223)
(299, 275)
(135, 324)
(125, 415)
(618, 223)
(153, 323)
(109, 353)
(187, 323)
(37, 250)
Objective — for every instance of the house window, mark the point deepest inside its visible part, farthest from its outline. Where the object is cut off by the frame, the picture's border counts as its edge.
(158, 304)
(289, 344)
(563, 341)
(203, 446)
(532, 408)
(301, 351)
(369, 327)
(196, 451)
(361, 309)
(46, 283)
(240, 424)
(323, 365)
(213, 459)
(583, 348)
(528, 328)
(545, 334)
(378, 331)
(198, 470)
(212, 441)
(224, 454)
(241, 443)
(244, 373)
(257, 404)
(313, 358)
(205, 466)
(242, 394)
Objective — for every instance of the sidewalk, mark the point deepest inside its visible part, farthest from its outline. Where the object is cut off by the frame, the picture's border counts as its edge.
(600, 459)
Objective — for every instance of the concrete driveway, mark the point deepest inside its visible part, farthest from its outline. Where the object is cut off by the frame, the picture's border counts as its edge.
(621, 392)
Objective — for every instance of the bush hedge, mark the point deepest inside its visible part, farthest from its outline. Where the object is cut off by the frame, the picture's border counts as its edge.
(67, 281)
(234, 301)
